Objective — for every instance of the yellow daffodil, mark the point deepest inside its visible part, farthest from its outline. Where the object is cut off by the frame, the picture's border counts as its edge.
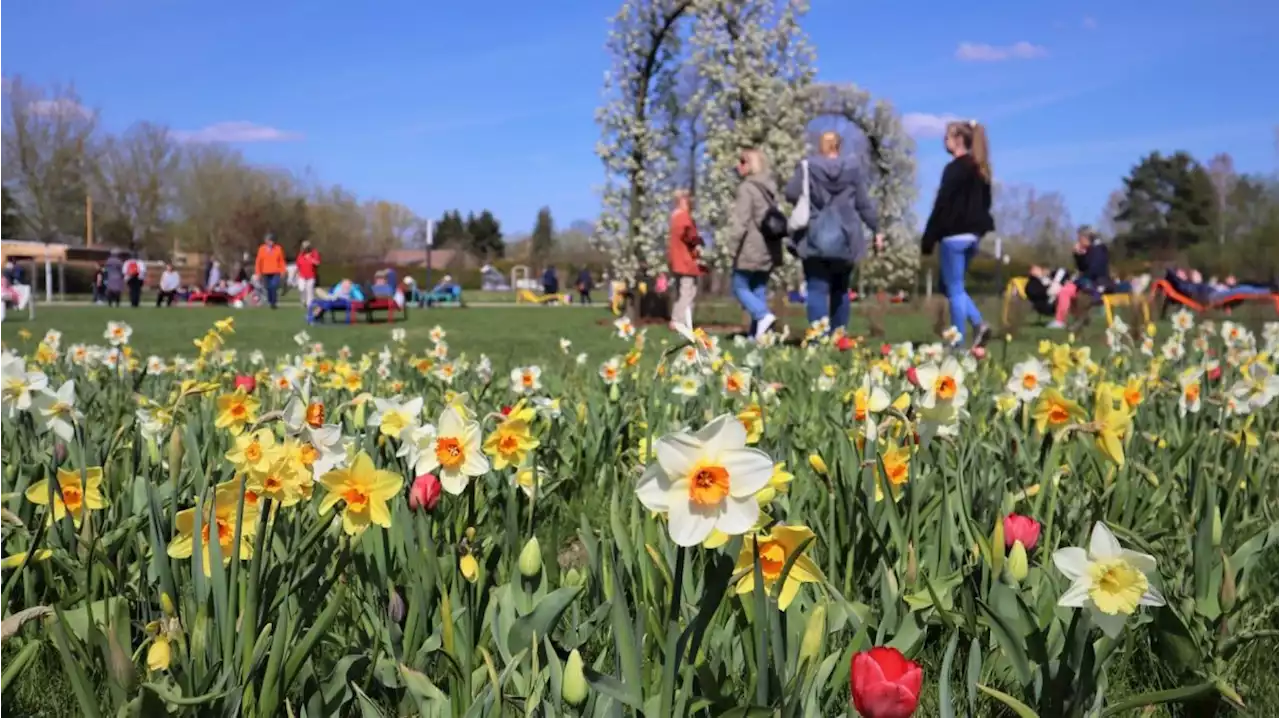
(896, 461)
(219, 523)
(226, 326)
(1053, 411)
(1112, 421)
(76, 497)
(253, 453)
(773, 552)
(752, 418)
(286, 480)
(236, 411)
(364, 490)
(392, 417)
(779, 482)
(15, 560)
(512, 441)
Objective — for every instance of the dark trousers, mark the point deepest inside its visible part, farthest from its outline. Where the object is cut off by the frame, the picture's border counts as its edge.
(166, 297)
(273, 286)
(113, 298)
(826, 283)
(584, 296)
(135, 291)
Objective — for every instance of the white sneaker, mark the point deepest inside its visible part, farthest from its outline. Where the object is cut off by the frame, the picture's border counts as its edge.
(763, 326)
(1055, 324)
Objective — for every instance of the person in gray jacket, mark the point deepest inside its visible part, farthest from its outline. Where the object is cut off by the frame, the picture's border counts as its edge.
(833, 242)
(753, 259)
(113, 270)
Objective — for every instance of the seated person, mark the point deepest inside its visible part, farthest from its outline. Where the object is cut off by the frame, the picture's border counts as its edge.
(1190, 283)
(339, 297)
(1231, 285)
(446, 286)
(1093, 262)
(381, 286)
(1050, 293)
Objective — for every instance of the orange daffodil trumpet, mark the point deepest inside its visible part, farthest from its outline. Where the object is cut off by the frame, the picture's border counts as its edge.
(705, 481)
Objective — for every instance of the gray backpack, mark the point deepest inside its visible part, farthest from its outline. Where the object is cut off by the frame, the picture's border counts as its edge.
(827, 236)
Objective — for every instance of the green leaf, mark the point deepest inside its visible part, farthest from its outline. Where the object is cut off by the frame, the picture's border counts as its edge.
(542, 621)
(946, 709)
(1017, 706)
(77, 619)
(612, 687)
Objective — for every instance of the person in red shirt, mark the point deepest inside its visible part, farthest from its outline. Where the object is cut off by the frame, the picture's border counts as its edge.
(684, 248)
(269, 266)
(308, 260)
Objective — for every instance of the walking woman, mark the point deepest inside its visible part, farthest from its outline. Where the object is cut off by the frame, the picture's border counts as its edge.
(961, 216)
(832, 243)
(684, 248)
(753, 259)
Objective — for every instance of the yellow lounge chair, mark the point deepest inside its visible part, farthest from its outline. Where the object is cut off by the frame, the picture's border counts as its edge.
(528, 297)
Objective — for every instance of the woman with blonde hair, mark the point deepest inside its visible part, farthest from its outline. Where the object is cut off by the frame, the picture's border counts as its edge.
(684, 248)
(832, 242)
(961, 216)
(753, 257)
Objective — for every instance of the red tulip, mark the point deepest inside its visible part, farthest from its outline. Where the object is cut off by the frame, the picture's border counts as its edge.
(424, 493)
(246, 382)
(506, 411)
(884, 683)
(1215, 372)
(885, 349)
(979, 352)
(844, 343)
(1021, 528)
(911, 376)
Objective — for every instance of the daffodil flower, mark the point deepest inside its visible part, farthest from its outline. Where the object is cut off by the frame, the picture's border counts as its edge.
(1054, 410)
(1108, 581)
(942, 384)
(512, 441)
(392, 417)
(235, 411)
(706, 480)
(56, 411)
(364, 492)
(72, 497)
(1028, 379)
(774, 551)
(219, 524)
(17, 385)
(453, 447)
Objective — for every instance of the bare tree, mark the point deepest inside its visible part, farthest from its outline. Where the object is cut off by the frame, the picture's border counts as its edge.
(136, 178)
(211, 181)
(49, 155)
(1036, 226)
(1222, 172)
(1108, 225)
(390, 224)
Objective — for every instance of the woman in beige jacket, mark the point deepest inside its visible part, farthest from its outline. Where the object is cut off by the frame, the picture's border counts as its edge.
(753, 258)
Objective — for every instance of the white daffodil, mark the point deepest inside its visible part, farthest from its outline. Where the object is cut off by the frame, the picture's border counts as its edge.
(437, 334)
(484, 369)
(1172, 349)
(1108, 581)
(941, 419)
(942, 383)
(301, 338)
(952, 336)
(580, 359)
(735, 382)
(53, 338)
(610, 370)
(392, 416)
(18, 384)
(1028, 379)
(1271, 337)
(398, 335)
(625, 328)
(526, 380)
(440, 350)
(257, 358)
(705, 481)
(445, 372)
(1183, 321)
(454, 450)
(154, 422)
(547, 408)
(56, 411)
(931, 352)
(1189, 390)
(564, 345)
(1148, 346)
(1258, 387)
(869, 400)
(117, 333)
(687, 386)
(155, 365)
(79, 354)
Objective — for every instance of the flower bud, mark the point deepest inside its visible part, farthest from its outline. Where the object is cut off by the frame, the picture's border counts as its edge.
(424, 493)
(59, 451)
(912, 564)
(572, 577)
(166, 605)
(246, 382)
(531, 559)
(814, 630)
(1227, 596)
(395, 606)
(1021, 528)
(1015, 568)
(1217, 527)
(159, 654)
(912, 376)
(469, 567)
(573, 686)
(817, 464)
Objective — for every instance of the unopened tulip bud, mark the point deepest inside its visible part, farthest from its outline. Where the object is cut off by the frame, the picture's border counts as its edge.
(395, 606)
(531, 559)
(1227, 596)
(424, 493)
(572, 577)
(912, 565)
(1015, 567)
(246, 382)
(814, 630)
(469, 567)
(891, 583)
(573, 687)
(1217, 527)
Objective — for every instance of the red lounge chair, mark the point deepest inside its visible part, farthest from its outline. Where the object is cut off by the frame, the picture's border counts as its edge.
(378, 304)
(1164, 288)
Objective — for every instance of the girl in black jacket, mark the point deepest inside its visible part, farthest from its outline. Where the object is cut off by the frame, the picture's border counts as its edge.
(961, 215)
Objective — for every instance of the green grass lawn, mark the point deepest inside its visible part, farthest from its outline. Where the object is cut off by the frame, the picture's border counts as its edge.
(508, 335)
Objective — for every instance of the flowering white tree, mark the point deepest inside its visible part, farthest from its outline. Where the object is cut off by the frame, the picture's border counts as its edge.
(890, 158)
(756, 64)
(636, 150)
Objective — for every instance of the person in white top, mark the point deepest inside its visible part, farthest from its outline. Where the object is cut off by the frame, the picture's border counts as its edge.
(169, 282)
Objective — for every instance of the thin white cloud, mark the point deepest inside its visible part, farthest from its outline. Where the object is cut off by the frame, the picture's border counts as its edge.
(61, 107)
(925, 124)
(982, 52)
(235, 132)
(1089, 23)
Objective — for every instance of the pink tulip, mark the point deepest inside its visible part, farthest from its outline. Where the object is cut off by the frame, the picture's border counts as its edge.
(911, 376)
(885, 349)
(425, 493)
(246, 382)
(884, 683)
(1021, 528)
(844, 343)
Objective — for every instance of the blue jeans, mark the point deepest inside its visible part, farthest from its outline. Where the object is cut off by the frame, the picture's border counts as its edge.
(272, 281)
(749, 289)
(957, 252)
(826, 284)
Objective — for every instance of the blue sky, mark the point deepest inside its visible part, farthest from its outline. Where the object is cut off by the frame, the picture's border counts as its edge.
(472, 105)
